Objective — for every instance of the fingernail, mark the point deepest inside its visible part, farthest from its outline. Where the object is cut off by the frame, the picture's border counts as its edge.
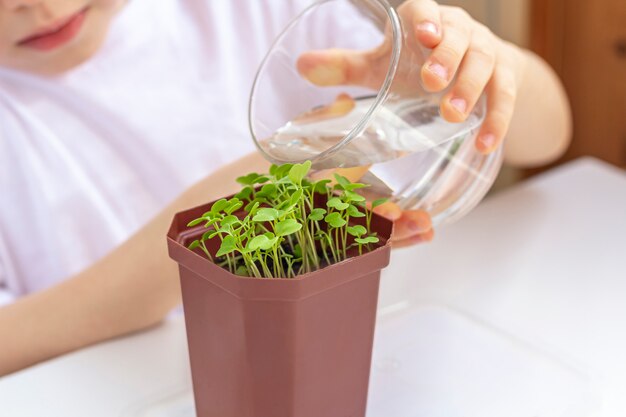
(427, 26)
(487, 142)
(459, 104)
(439, 70)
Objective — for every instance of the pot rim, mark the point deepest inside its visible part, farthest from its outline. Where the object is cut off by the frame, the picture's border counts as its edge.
(285, 289)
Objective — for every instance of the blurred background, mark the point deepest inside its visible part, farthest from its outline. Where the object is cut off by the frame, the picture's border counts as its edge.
(585, 42)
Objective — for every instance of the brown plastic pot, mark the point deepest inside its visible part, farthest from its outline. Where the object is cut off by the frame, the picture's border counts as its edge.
(298, 347)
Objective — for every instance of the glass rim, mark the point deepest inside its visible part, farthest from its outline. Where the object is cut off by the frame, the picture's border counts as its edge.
(381, 95)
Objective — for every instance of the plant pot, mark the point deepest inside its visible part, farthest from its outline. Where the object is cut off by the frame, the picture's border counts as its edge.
(298, 347)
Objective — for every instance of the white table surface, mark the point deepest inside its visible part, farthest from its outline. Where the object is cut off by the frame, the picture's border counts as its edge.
(541, 266)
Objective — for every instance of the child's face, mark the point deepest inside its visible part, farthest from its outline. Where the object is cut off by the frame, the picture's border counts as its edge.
(51, 36)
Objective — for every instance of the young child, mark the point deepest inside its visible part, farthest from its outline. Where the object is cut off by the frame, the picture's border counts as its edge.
(115, 114)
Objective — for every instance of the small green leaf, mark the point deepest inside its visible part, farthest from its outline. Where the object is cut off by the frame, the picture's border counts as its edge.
(378, 202)
(233, 205)
(335, 220)
(266, 214)
(354, 186)
(341, 180)
(356, 230)
(273, 168)
(195, 222)
(287, 227)
(321, 187)
(228, 246)
(286, 182)
(261, 179)
(211, 222)
(299, 171)
(248, 179)
(336, 203)
(229, 220)
(352, 196)
(317, 214)
(295, 197)
(268, 191)
(366, 240)
(282, 171)
(251, 206)
(245, 193)
(207, 235)
(261, 242)
(283, 205)
(219, 205)
(271, 243)
(353, 211)
(193, 245)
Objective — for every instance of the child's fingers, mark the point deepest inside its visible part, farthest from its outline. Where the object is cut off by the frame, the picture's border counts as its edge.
(501, 96)
(408, 223)
(389, 210)
(474, 74)
(414, 240)
(333, 66)
(444, 61)
(424, 18)
(368, 68)
(411, 223)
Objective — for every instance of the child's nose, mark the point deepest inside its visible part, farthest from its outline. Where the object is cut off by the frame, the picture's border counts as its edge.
(18, 4)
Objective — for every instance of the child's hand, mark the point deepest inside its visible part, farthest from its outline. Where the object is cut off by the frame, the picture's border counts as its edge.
(409, 226)
(461, 48)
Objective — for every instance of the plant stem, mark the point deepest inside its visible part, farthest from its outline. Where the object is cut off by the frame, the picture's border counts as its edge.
(337, 243)
(205, 250)
(276, 261)
(345, 235)
(231, 263)
(308, 239)
(323, 248)
(252, 267)
(266, 270)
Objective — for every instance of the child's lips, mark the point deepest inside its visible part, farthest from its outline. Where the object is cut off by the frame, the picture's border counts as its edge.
(55, 35)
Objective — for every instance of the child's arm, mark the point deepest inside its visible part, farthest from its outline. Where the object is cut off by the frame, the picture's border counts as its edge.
(541, 127)
(132, 288)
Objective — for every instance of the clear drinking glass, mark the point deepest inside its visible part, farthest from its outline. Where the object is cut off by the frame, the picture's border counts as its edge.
(380, 127)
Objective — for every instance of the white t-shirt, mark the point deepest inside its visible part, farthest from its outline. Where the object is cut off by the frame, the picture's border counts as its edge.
(88, 157)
